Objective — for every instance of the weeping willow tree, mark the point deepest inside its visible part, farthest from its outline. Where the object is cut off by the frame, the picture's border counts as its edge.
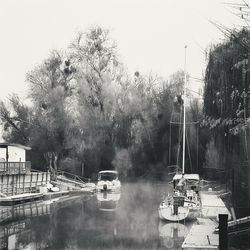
(227, 108)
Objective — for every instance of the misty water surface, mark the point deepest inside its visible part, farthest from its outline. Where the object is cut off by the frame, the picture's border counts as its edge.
(78, 223)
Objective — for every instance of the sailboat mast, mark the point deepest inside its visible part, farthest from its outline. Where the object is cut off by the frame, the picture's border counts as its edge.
(184, 114)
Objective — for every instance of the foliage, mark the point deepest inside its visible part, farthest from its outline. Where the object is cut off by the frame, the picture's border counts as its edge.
(226, 78)
(16, 120)
(226, 111)
(122, 162)
(87, 111)
(212, 156)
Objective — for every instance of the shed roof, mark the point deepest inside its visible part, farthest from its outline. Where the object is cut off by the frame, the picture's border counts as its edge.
(6, 144)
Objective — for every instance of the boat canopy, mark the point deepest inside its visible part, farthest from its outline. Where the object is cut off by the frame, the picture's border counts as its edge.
(108, 172)
(107, 175)
(187, 177)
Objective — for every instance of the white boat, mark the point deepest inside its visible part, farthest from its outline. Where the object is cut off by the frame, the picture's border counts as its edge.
(184, 202)
(108, 181)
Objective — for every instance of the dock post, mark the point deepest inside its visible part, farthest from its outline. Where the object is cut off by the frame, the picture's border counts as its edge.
(223, 239)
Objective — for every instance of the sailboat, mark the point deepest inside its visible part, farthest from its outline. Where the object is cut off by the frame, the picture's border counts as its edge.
(184, 202)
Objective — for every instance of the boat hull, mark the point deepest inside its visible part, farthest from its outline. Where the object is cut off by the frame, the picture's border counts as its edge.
(108, 186)
(167, 213)
(108, 189)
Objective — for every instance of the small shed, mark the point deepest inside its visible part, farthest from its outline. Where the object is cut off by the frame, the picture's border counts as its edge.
(11, 152)
(13, 158)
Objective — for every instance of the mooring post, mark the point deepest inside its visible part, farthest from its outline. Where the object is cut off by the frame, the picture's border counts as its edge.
(223, 239)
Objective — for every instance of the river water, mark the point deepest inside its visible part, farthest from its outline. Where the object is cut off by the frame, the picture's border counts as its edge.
(128, 220)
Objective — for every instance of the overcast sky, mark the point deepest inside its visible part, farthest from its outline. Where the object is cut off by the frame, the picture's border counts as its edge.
(150, 34)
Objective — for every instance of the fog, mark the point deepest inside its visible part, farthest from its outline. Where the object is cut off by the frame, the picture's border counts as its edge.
(81, 223)
(125, 220)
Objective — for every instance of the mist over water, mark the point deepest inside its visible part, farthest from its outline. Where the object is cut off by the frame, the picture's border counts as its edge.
(131, 222)
(128, 220)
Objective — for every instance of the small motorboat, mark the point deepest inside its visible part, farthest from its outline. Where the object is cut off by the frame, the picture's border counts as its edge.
(108, 181)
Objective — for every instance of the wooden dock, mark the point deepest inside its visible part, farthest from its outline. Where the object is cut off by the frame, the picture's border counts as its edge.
(212, 205)
(38, 207)
(203, 234)
(21, 198)
(72, 185)
(9, 200)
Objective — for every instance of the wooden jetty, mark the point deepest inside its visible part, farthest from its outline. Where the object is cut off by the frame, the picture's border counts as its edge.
(203, 234)
(9, 200)
(21, 198)
(73, 183)
(38, 207)
(212, 205)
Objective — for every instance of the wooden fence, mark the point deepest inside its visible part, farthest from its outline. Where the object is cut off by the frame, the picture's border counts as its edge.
(15, 167)
(23, 183)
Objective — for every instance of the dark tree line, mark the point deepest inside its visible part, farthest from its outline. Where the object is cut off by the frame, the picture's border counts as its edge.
(226, 113)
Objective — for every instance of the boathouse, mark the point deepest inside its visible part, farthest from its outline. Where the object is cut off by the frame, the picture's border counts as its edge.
(13, 159)
(16, 174)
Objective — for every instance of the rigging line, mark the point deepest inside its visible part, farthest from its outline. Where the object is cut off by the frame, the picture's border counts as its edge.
(169, 150)
(179, 146)
(179, 139)
(196, 78)
(194, 92)
(184, 112)
(170, 138)
(190, 160)
(197, 147)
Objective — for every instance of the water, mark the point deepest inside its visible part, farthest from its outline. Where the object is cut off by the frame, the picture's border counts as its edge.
(122, 221)
(130, 221)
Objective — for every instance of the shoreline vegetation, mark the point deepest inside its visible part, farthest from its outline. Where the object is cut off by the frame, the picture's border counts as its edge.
(86, 114)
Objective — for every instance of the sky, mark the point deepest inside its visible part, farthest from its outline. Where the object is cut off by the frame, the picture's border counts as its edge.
(150, 34)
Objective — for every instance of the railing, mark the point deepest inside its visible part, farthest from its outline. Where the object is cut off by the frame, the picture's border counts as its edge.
(15, 167)
(73, 176)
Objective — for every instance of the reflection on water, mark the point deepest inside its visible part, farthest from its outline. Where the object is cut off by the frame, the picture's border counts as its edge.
(172, 235)
(108, 201)
(103, 221)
